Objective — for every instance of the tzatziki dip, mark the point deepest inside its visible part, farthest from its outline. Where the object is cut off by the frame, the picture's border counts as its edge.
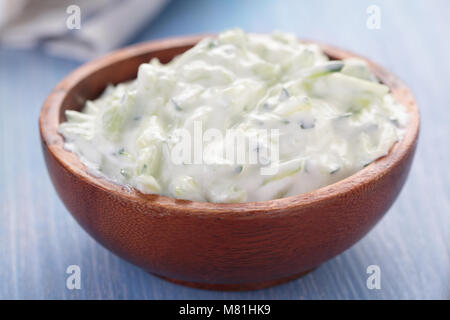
(237, 118)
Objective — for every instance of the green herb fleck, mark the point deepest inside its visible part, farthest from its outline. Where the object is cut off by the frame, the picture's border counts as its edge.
(307, 124)
(366, 164)
(238, 169)
(395, 122)
(266, 106)
(176, 105)
(284, 95)
(143, 169)
(322, 70)
(212, 44)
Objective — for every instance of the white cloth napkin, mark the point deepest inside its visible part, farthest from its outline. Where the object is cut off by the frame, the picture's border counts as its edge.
(105, 24)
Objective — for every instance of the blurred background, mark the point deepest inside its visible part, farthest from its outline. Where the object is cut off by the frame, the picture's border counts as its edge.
(41, 41)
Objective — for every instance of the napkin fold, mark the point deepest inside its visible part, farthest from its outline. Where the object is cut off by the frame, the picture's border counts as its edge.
(48, 24)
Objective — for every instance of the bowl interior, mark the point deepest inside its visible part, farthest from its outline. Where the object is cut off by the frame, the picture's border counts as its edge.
(89, 81)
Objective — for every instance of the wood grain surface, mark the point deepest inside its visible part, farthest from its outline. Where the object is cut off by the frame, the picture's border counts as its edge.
(39, 239)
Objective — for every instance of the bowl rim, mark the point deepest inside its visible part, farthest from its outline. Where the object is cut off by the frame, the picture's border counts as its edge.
(53, 141)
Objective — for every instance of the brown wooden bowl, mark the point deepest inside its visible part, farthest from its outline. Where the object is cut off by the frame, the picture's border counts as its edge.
(217, 246)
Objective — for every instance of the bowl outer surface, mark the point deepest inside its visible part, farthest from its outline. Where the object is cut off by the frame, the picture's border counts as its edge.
(217, 243)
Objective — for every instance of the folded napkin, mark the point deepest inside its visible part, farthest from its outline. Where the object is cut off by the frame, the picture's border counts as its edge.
(105, 24)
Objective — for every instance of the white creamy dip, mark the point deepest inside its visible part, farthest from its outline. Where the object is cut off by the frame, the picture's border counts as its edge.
(332, 118)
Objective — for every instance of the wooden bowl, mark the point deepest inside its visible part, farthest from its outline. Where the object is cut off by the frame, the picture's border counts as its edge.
(217, 246)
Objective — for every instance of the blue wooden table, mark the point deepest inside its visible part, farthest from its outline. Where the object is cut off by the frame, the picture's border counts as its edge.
(411, 245)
